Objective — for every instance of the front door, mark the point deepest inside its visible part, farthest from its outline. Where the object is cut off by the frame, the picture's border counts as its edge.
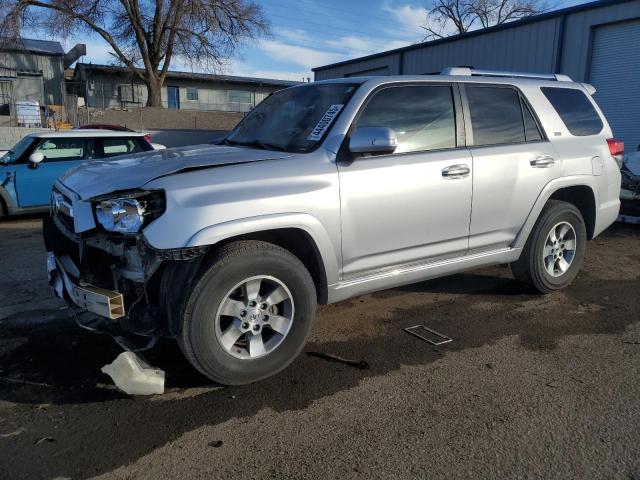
(404, 207)
(173, 95)
(33, 184)
(512, 163)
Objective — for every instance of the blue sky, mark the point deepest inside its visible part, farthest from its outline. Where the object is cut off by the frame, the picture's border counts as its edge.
(311, 33)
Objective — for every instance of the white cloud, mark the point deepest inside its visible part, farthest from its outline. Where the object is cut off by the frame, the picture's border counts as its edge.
(353, 46)
(410, 17)
(243, 69)
(302, 56)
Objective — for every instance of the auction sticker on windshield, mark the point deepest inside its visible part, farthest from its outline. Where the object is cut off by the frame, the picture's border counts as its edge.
(325, 122)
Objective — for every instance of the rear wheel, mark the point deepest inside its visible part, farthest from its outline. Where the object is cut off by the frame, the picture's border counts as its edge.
(553, 254)
(249, 314)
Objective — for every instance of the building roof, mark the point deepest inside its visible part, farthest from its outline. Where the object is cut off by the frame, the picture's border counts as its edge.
(503, 26)
(87, 133)
(172, 74)
(42, 47)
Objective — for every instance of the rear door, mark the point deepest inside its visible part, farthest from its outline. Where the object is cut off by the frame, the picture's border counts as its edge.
(34, 184)
(512, 162)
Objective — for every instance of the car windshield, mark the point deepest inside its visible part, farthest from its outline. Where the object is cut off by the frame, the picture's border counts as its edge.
(292, 120)
(17, 150)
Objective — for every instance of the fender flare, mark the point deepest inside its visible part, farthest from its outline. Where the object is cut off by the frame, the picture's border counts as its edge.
(6, 201)
(331, 259)
(550, 188)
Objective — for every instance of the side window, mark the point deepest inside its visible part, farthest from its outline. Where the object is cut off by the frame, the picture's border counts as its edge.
(192, 93)
(496, 115)
(62, 149)
(575, 110)
(531, 130)
(422, 117)
(119, 146)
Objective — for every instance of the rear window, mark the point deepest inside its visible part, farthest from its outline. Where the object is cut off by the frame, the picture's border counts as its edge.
(575, 110)
(120, 146)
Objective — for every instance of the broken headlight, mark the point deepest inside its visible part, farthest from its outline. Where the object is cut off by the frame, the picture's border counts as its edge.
(127, 214)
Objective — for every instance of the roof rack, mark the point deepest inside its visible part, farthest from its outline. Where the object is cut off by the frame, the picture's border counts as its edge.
(468, 72)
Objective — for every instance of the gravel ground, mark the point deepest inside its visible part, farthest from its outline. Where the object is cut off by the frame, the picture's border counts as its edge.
(532, 386)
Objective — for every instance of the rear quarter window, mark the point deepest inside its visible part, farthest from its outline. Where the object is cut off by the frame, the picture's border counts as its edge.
(575, 110)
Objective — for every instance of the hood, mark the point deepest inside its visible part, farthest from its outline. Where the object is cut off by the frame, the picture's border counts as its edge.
(100, 177)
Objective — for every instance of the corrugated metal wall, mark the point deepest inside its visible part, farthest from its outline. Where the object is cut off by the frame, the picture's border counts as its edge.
(578, 37)
(542, 46)
(615, 69)
(52, 78)
(528, 48)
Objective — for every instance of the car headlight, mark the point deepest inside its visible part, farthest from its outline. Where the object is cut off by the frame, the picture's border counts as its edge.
(127, 214)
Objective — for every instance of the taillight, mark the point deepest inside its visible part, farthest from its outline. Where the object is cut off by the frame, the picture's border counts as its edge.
(147, 137)
(616, 147)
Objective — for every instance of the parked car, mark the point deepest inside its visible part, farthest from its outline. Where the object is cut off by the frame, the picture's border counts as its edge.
(29, 169)
(118, 128)
(330, 190)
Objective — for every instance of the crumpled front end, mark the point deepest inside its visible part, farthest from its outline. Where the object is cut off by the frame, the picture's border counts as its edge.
(118, 277)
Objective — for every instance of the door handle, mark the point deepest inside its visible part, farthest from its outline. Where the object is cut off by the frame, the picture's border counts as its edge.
(456, 171)
(543, 161)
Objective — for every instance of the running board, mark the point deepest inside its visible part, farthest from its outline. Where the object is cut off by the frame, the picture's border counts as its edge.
(399, 275)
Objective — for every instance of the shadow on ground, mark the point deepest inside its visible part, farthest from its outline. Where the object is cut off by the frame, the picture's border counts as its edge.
(65, 387)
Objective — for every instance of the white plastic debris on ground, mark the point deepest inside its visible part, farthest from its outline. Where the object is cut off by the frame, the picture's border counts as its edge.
(133, 376)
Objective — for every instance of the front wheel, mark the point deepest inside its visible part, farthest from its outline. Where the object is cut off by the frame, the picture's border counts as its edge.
(554, 251)
(249, 314)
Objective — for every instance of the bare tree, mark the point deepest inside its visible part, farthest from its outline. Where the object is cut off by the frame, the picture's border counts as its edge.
(452, 17)
(145, 33)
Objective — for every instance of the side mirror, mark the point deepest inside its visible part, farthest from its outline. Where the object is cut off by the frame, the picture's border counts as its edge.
(373, 140)
(35, 158)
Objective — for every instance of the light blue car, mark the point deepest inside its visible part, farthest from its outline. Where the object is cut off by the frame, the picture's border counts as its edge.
(29, 169)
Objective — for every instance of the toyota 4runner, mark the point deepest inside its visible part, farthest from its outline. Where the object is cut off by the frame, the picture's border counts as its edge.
(329, 190)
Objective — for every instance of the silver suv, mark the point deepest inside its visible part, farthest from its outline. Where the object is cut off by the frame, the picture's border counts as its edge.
(330, 190)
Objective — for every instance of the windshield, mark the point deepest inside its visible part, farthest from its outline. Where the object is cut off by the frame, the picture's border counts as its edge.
(293, 120)
(18, 149)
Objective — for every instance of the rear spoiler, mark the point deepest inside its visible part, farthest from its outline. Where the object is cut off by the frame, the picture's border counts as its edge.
(589, 88)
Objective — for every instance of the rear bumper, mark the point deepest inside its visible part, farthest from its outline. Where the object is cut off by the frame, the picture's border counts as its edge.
(106, 303)
(606, 215)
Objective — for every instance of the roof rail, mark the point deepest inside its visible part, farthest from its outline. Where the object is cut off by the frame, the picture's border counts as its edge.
(468, 72)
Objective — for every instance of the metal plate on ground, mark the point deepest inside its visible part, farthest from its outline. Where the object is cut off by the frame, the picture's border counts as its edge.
(428, 335)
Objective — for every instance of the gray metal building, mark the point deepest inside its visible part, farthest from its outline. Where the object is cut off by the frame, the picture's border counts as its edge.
(106, 86)
(596, 42)
(33, 70)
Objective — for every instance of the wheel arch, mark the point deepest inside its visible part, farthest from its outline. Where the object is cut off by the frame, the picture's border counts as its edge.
(301, 234)
(583, 198)
(5, 201)
(297, 241)
(578, 191)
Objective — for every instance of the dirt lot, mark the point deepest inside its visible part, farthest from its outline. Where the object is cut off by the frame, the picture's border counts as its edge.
(532, 386)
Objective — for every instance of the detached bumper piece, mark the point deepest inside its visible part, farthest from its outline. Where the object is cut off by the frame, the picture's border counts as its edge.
(105, 303)
(134, 376)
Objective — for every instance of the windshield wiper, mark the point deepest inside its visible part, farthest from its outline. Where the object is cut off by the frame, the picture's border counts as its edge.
(254, 143)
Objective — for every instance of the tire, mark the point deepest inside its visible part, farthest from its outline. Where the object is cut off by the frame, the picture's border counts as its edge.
(226, 287)
(540, 264)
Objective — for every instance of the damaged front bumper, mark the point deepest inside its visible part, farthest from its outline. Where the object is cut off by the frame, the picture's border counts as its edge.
(105, 303)
(121, 279)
